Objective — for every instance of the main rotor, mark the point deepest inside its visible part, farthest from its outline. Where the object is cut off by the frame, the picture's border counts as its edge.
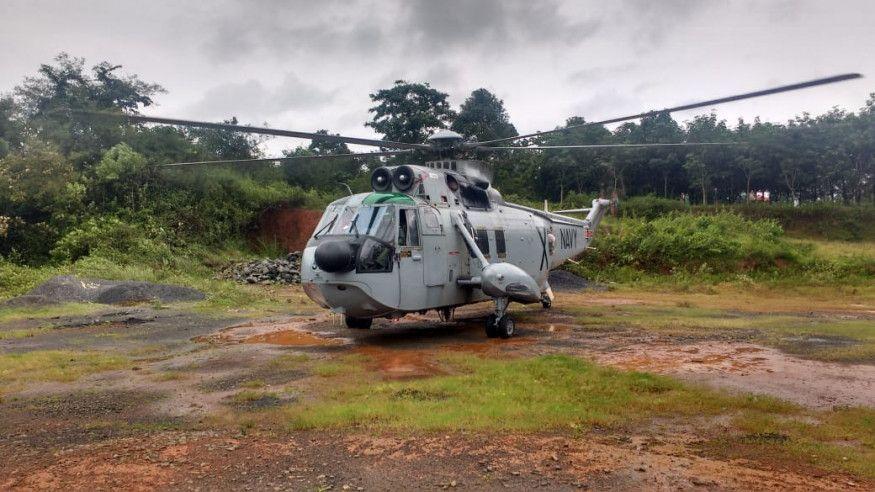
(447, 143)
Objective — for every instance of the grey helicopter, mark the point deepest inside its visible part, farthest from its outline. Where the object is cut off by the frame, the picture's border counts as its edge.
(437, 235)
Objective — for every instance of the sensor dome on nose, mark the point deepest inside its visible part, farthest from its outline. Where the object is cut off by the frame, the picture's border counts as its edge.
(335, 257)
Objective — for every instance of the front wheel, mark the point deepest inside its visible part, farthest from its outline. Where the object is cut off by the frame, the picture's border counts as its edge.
(358, 323)
(491, 329)
(506, 327)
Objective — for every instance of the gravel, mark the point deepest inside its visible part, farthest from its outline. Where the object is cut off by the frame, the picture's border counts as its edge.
(285, 270)
(565, 281)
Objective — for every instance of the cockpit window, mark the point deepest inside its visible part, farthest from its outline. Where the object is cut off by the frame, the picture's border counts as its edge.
(367, 220)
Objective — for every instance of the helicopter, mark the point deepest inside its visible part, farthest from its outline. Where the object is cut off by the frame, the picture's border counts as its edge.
(437, 235)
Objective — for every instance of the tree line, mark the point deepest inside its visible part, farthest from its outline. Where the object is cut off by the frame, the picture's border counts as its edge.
(69, 181)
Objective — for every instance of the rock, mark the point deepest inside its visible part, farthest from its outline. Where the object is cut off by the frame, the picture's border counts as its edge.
(266, 271)
(69, 288)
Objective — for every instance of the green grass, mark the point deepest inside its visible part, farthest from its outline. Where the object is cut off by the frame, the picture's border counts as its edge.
(18, 334)
(525, 394)
(556, 393)
(17, 370)
(49, 311)
(841, 440)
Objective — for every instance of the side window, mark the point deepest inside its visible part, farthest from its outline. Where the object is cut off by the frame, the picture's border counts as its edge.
(408, 228)
(482, 240)
(500, 246)
(431, 221)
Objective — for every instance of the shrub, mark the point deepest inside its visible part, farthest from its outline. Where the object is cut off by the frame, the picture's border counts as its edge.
(680, 242)
(649, 207)
(113, 238)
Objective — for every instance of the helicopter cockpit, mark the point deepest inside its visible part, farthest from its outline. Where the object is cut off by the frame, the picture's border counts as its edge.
(359, 236)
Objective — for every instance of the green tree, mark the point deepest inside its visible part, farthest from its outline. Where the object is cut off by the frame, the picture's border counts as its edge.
(482, 116)
(52, 101)
(409, 112)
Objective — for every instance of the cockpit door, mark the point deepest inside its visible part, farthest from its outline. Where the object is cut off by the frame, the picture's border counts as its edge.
(435, 250)
(413, 294)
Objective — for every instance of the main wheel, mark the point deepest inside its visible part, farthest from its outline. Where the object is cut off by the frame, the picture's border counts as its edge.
(358, 323)
(491, 329)
(506, 327)
(546, 303)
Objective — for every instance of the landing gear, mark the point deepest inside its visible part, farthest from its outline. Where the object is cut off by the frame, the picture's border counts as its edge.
(446, 314)
(500, 324)
(546, 303)
(358, 323)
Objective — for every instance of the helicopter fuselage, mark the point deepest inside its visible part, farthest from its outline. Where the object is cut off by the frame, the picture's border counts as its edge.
(391, 252)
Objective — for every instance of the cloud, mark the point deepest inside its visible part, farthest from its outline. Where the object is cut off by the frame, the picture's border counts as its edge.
(404, 28)
(253, 99)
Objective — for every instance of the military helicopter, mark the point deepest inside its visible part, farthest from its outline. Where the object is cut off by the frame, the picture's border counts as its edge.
(438, 235)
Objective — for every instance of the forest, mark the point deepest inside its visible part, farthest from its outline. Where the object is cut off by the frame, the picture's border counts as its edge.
(71, 183)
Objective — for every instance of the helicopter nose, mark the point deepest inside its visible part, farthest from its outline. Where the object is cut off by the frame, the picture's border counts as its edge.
(335, 257)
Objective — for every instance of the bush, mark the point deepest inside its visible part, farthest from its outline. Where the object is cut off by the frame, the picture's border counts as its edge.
(816, 220)
(115, 239)
(649, 207)
(680, 242)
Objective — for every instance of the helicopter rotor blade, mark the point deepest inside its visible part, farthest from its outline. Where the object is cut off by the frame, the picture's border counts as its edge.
(260, 130)
(291, 158)
(609, 146)
(710, 102)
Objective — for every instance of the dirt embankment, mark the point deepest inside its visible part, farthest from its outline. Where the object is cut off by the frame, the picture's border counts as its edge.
(288, 228)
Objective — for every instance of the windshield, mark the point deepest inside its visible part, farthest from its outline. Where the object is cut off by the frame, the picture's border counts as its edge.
(365, 220)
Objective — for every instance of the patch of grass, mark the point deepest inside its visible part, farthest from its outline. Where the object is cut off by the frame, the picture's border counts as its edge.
(254, 384)
(550, 392)
(22, 333)
(17, 370)
(839, 440)
(170, 376)
(8, 314)
(247, 396)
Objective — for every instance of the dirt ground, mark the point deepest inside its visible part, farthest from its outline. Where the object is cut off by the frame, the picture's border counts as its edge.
(157, 424)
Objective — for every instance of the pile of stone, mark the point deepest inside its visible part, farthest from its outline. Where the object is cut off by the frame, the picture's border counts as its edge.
(267, 271)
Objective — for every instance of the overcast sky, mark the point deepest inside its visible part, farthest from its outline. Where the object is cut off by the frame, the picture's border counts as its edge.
(307, 65)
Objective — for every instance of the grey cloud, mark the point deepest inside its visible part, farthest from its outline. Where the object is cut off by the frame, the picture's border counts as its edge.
(253, 99)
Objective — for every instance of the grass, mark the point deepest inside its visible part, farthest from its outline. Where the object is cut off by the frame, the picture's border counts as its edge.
(8, 314)
(18, 334)
(20, 369)
(838, 338)
(563, 393)
(522, 394)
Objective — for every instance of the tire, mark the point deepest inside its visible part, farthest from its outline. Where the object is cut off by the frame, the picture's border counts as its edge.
(491, 329)
(358, 323)
(546, 304)
(506, 327)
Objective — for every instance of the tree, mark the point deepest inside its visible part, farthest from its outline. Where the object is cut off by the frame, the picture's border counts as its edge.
(707, 163)
(224, 144)
(322, 174)
(409, 112)
(482, 116)
(10, 127)
(52, 102)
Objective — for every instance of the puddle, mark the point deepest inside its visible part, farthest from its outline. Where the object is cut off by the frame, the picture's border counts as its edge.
(821, 341)
(292, 338)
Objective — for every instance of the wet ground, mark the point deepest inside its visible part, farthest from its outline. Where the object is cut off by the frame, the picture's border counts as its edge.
(159, 422)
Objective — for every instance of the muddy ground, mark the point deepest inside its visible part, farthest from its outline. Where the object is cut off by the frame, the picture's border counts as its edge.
(159, 423)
